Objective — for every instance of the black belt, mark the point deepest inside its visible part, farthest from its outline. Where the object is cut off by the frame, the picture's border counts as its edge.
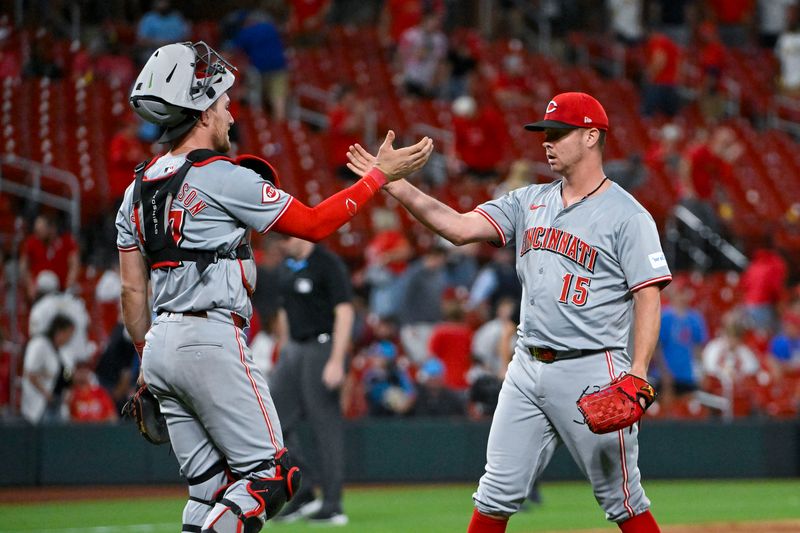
(549, 355)
(238, 320)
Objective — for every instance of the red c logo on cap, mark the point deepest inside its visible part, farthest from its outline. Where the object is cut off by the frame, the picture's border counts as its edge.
(552, 106)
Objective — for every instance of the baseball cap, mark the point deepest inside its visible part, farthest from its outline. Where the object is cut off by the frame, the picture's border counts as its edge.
(572, 110)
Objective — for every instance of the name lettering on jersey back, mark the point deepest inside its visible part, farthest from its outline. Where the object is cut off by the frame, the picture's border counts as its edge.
(560, 242)
(187, 198)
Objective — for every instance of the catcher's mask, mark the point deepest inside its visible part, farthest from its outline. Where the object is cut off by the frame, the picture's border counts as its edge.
(179, 82)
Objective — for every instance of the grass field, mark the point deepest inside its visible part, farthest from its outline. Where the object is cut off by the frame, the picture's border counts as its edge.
(443, 509)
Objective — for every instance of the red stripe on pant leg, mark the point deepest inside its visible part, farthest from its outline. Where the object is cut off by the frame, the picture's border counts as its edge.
(255, 389)
(623, 462)
(610, 364)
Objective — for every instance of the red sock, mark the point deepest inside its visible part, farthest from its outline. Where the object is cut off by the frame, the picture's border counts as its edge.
(641, 523)
(481, 523)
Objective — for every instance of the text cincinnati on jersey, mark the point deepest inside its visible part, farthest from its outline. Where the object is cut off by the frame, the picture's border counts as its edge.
(560, 242)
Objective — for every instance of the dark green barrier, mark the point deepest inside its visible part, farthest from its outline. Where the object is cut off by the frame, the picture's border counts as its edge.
(405, 450)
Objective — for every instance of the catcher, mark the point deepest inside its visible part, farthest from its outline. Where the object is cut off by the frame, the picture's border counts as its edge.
(184, 224)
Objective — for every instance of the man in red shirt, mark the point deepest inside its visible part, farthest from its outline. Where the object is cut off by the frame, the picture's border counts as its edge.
(346, 123)
(733, 17)
(763, 284)
(125, 151)
(479, 138)
(451, 341)
(662, 73)
(307, 21)
(45, 249)
(87, 400)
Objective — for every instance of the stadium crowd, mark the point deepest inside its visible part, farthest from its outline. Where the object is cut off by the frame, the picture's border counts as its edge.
(435, 324)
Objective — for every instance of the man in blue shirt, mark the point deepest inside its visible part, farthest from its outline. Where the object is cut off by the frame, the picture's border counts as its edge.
(683, 333)
(162, 25)
(785, 346)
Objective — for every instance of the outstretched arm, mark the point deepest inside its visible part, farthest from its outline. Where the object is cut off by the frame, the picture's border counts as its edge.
(458, 228)
(316, 223)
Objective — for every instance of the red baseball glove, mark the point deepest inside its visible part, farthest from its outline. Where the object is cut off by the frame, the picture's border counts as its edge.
(618, 405)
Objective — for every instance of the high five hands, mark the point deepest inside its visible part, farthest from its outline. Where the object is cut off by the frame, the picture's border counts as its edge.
(396, 164)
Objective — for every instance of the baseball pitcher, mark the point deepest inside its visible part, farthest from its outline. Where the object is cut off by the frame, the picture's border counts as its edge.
(590, 262)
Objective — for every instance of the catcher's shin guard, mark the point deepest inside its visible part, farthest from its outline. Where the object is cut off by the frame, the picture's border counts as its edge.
(270, 495)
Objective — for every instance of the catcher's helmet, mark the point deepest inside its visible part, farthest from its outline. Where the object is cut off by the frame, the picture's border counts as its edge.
(177, 83)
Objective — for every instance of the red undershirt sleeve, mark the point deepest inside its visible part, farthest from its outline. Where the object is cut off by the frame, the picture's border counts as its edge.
(316, 223)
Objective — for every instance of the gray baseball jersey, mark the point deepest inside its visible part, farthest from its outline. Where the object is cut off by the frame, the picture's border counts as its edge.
(196, 359)
(578, 265)
(217, 203)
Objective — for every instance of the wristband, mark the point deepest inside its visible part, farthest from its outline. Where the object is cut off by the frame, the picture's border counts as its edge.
(376, 177)
(139, 348)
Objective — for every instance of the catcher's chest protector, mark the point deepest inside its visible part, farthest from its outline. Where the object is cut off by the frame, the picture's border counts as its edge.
(154, 197)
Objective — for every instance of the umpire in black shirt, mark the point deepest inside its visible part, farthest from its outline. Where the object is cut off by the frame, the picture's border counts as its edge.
(316, 305)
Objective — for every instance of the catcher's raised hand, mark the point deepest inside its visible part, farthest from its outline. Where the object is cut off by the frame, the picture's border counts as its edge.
(396, 164)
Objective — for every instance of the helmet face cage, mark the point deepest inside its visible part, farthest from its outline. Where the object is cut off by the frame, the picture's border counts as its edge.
(208, 64)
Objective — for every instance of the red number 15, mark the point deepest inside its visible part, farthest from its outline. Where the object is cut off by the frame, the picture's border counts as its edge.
(580, 291)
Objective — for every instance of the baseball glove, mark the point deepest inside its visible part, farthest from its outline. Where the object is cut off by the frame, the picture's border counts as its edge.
(618, 405)
(144, 409)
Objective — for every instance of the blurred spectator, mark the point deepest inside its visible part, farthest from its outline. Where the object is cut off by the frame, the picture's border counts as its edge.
(664, 153)
(513, 86)
(347, 121)
(388, 387)
(420, 299)
(41, 61)
(461, 267)
(434, 397)
(42, 369)
(735, 18)
(115, 66)
(727, 357)
(706, 170)
(626, 20)
(10, 60)
(681, 339)
(421, 55)
(265, 344)
(483, 395)
(451, 341)
(662, 72)
(386, 259)
(493, 342)
(787, 50)
(268, 77)
(628, 172)
(480, 138)
(50, 303)
(496, 280)
(118, 366)
(673, 19)
(125, 151)
(763, 285)
(784, 347)
(162, 25)
(711, 59)
(397, 16)
(773, 19)
(48, 249)
(307, 21)
(463, 58)
(520, 174)
(86, 400)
